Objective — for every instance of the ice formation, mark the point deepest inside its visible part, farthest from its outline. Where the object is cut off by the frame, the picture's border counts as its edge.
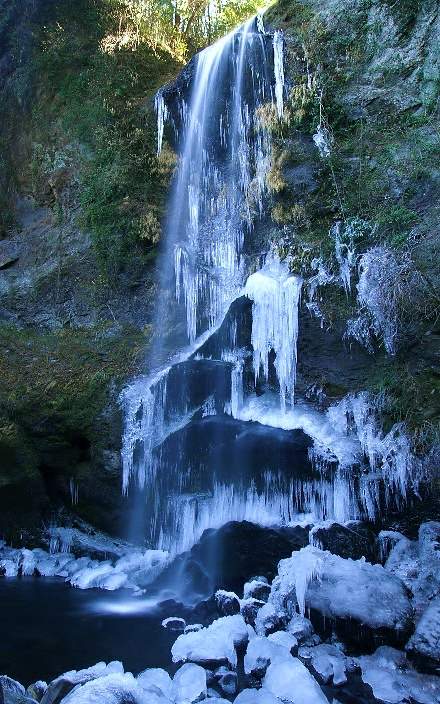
(318, 580)
(278, 52)
(216, 643)
(275, 296)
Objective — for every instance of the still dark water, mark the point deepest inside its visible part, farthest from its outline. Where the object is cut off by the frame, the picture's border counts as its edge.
(48, 627)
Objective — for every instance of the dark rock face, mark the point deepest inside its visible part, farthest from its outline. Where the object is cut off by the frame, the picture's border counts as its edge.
(226, 558)
(354, 540)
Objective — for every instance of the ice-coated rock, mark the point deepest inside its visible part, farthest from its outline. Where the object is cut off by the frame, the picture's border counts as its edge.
(156, 679)
(394, 681)
(257, 588)
(256, 696)
(12, 692)
(291, 681)
(300, 627)
(261, 652)
(287, 640)
(228, 603)
(190, 683)
(328, 662)
(425, 643)
(417, 563)
(249, 609)
(193, 627)
(36, 690)
(116, 688)
(174, 623)
(214, 644)
(62, 685)
(269, 618)
(350, 590)
(228, 682)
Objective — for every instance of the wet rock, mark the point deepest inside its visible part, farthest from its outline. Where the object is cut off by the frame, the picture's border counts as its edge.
(352, 540)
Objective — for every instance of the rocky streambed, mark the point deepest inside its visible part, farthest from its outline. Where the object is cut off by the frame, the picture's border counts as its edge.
(320, 627)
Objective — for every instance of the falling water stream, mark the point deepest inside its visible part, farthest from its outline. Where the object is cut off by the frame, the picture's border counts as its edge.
(216, 433)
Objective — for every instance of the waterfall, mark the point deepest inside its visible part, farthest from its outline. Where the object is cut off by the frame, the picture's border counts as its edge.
(216, 433)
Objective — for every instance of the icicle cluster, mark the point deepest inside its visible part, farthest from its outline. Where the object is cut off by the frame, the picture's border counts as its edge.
(275, 295)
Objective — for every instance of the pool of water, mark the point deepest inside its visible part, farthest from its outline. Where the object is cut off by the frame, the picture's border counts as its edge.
(48, 627)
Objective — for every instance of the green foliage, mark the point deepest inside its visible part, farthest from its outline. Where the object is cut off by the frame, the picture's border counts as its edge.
(58, 383)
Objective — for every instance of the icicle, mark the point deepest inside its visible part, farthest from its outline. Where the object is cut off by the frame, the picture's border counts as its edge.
(162, 116)
(275, 311)
(278, 63)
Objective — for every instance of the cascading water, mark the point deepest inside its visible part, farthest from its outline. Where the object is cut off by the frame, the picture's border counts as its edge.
(214, 434)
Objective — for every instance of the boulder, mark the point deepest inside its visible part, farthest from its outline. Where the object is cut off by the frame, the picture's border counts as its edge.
(363, 602)
(328, 663)
(190, 683)
(354, 540)
(36, 690)
(174, 623)
(249, 609)
(394, 681)
(424, 645)
(291, 682)
(60, 687)
(117, 688)
(261, 652)
(12, 692)
(157, 680)
(214, 644)
(228, 603)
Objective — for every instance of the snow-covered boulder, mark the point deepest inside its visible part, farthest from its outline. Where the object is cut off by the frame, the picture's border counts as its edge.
(362, 599)
(287, 640)
(424, 645)
(256, 696)
(300, 627)
(62, 685)
(249, 609)
(214, 644)
(394, 681)
(190, 683)
(257, 588)
(12, 692)
(174, 623)
(270, 618)
(290, 681)
(117, 688)
(36, 690)
(228, 603)
(417, 564)
(261, 652)
(158, 681)
(328, 662)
